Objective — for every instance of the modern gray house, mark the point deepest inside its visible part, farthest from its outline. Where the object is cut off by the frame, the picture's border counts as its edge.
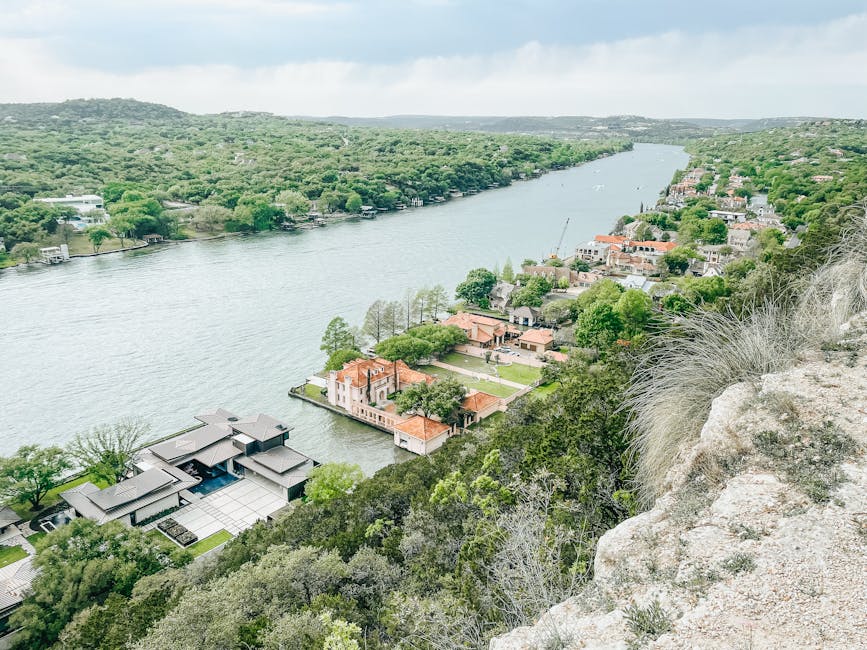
(176, 471)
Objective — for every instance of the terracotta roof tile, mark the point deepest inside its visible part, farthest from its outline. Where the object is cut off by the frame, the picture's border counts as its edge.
(422, 428)
(537, 336)
(478, 401)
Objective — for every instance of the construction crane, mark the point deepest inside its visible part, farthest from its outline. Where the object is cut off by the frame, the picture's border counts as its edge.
(553, 256)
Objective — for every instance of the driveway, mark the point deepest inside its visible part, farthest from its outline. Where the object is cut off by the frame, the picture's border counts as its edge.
(236, 507)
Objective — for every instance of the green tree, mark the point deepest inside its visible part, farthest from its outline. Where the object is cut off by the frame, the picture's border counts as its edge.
(393, 317)
(405, 347)
(107, 451)
(374, 321)
(442, 399)
(635, 309)
(295, 204)
(441, 337)
(508, 273)
(353, 203)
(579, 265)
(677, 260)
(25, 251)
(477, 287)
(598, 327)
(675, 303)
(714, 231)
(31, 472)
(337, 336)
(532, 293)
(340, 357)
(332, 480)
(97, 235)
(437, 301)
(211, 217)
(120, 226)
(83, 563)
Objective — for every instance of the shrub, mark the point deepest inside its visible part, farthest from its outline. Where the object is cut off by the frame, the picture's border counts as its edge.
(647, 623)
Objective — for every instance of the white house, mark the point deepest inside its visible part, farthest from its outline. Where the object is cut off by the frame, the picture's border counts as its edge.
(83, 203)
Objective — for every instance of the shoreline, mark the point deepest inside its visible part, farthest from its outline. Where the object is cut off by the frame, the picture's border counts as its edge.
(338, 217)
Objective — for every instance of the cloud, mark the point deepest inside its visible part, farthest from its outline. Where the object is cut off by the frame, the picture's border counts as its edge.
(813, 70)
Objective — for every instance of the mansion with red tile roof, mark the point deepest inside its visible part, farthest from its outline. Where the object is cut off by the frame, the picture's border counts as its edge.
(363, 388)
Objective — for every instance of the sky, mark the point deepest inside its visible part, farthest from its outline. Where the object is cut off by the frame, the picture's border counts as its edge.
(658, 58)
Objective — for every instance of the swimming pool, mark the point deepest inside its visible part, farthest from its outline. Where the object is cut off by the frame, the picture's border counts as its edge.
(213, 484)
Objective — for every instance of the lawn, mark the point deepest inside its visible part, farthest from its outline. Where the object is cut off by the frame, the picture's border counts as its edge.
(314, 392)
(10, 554)
(35, 537)
(53, 496)
(500, 390)
(520, 373)
(210, 542)
(79, 244)
(516, 372)
(547, 389)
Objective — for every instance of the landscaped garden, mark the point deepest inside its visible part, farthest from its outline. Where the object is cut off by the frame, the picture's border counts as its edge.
(210, 542)
(517, 372)
(500, 390)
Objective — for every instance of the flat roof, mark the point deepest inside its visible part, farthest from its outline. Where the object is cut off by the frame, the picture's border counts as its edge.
(132, 489)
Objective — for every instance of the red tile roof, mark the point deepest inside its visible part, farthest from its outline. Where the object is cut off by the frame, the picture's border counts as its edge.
(537, 336)
(422, 428)
(478, 401)
(357, 370)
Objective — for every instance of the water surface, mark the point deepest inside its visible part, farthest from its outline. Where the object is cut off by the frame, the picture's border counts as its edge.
(168, 332)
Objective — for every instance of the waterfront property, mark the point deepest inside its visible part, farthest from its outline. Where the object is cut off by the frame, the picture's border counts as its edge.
(178, 471)
(82, 203)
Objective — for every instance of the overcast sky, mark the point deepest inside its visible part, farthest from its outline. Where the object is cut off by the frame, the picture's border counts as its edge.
(660, 58)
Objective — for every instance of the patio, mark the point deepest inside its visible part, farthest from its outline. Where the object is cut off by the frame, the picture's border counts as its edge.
(234, 508)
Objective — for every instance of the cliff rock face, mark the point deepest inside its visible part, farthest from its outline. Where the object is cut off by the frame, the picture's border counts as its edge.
(760, 539)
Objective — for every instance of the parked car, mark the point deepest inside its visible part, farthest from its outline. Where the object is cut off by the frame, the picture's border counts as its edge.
(503, 349)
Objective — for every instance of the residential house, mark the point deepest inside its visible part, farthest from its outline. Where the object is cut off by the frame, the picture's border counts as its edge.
(714, 253)
(421, 435)
(370, 382)
(630, 229)
(524, 316)
(82, 204)
(638, 282)
(593, 252)
(478, 405)
(586, 278)
(536, 340)
(15, 581)
(500, 295)
(733, 202)
(482, 331)
(728, 216)
(738, 239)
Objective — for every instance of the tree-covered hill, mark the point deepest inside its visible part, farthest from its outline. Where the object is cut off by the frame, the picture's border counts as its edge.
(82, 146)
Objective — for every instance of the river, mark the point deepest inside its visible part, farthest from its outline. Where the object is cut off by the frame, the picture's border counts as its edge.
(168, 332)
